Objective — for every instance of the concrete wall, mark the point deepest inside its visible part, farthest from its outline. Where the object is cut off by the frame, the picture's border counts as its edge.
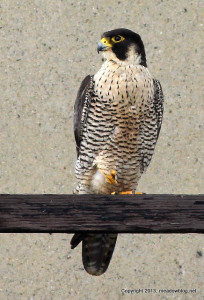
(46, 49)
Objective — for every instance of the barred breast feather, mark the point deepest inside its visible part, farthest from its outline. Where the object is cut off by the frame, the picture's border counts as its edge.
(116, 126)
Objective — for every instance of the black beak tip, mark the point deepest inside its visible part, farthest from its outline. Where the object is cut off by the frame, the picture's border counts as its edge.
(99, 48)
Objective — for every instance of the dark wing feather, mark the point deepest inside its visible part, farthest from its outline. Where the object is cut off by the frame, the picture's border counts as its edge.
(81, 108)
(152, 124)
(97, 249)
(158, 103)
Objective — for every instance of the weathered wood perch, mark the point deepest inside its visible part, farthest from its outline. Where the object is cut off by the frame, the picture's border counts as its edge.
(102, 213)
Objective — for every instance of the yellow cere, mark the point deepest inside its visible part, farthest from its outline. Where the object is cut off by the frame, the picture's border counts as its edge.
(106, 42)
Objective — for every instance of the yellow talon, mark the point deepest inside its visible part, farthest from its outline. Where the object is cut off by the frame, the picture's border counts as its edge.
(130, 193)
(126, 193)
(113, 172)
(110, 178)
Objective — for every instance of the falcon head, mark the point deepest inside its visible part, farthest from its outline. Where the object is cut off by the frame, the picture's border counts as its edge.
(122, 45)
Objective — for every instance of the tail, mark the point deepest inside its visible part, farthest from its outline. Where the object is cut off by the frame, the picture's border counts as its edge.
(97, 250)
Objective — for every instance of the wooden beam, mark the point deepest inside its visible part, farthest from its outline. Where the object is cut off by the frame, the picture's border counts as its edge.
(102, 213)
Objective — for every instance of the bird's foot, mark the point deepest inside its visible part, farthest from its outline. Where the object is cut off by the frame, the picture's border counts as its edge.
(128, 193)
(111, 177)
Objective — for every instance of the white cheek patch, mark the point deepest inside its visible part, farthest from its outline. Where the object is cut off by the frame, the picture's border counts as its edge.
(132, 57)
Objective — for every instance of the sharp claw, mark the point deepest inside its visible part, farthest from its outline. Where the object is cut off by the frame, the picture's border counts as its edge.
(110, 178)
(126, 193)
(130, 193)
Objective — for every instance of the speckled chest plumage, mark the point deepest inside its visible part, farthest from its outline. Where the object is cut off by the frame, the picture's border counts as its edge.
(120, 129)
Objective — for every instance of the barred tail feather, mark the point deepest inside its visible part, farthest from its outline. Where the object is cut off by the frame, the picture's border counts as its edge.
(97, 250)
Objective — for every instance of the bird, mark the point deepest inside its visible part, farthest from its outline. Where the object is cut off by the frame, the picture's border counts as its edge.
(117, 119)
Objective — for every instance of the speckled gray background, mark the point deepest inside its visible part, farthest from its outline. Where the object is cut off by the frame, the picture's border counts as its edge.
(46, 48)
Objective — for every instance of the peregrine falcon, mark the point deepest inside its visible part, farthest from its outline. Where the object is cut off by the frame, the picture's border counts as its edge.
(117, 119)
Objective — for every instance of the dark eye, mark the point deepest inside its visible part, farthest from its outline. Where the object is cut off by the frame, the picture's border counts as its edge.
(117, 38)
